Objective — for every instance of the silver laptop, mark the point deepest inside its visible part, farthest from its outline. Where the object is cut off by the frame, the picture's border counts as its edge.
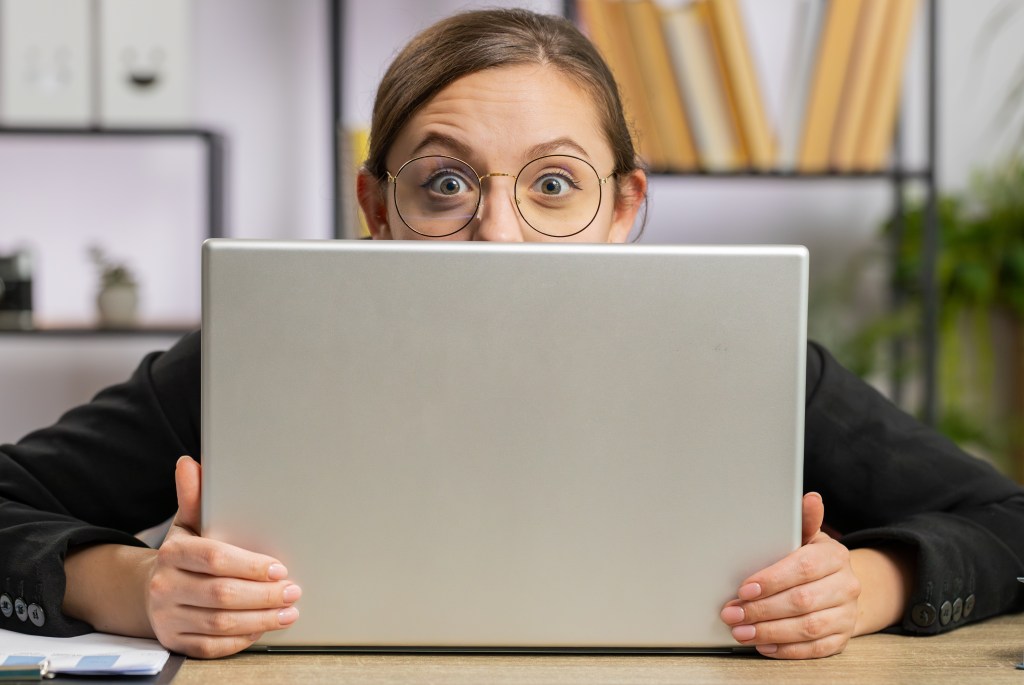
(459, 446)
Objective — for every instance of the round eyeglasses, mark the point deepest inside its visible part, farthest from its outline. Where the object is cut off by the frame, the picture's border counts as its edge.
(557, 195)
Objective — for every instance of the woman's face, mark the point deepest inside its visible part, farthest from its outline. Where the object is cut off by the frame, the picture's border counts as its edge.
(493, 124)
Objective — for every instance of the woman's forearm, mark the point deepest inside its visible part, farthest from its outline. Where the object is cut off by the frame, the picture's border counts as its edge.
(886, 576)
(107, 588)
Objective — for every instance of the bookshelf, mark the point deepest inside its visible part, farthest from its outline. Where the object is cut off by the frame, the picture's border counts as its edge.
(214, 166)
(897, 175)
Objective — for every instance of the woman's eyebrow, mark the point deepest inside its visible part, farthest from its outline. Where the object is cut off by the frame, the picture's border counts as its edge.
(556, 146)
(456, 147)
(461, 150)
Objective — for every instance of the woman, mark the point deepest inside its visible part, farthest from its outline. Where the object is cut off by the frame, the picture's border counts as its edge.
(497, 125)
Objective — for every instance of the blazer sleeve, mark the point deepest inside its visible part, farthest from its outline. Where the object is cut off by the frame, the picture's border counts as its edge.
(104, 471)
(887, 479)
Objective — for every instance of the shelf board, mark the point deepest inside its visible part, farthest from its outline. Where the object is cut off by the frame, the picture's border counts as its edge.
(85, 131)
(777, 174)
(90, 331)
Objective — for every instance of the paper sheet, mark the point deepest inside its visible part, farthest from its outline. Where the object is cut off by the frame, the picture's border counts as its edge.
(92, 654)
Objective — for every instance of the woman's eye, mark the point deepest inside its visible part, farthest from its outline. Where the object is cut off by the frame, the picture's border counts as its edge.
(553, 185)
(447, 184)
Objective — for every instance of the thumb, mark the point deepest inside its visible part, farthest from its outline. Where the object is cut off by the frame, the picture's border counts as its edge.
(187, 474)
(814, 515)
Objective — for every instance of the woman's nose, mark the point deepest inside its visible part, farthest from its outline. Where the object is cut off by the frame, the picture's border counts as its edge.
(497, 219)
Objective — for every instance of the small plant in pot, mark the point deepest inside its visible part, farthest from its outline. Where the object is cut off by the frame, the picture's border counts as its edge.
(117, 300)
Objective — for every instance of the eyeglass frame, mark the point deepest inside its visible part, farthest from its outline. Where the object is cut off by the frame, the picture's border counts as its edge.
(393, 180)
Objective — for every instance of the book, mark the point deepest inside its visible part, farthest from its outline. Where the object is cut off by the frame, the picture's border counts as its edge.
(734, 49)
(721, 68)
(688, 36)
(859, 73)
(834, 47)
(799, 71)
(605, 24)
(658, 79)
(355, 146)
(879, 120)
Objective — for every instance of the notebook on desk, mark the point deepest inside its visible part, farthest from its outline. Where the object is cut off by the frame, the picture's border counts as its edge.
(504, 447)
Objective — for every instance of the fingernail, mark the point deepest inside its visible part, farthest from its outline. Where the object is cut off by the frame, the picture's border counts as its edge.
(292, 593)
(287, 616)
(767, 649)
(277, 572)
(750, 591)
(732, 614)
(743, 633)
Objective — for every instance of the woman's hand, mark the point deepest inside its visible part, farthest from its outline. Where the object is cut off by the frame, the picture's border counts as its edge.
(207, 598)
(806, 605)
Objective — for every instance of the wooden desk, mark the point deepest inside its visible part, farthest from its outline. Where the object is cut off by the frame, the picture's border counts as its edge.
(984, 653)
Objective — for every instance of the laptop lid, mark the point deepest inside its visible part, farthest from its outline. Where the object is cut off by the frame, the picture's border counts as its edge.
(455, 445)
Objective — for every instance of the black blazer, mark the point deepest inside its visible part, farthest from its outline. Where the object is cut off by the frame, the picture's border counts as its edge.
(106, 470)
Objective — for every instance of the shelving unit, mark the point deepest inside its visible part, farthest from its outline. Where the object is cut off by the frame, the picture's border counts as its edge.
(899, 176)
(86, 332)
(214, 168)
(212, 141)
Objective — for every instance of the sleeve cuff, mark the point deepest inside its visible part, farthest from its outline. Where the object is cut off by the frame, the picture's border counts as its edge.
(32, 598)
(951, 587)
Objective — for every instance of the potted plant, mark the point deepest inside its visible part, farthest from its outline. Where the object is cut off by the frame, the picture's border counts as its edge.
(117, 299)
(980, 274)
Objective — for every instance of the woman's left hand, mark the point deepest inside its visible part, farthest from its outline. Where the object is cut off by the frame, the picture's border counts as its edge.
(804, 606)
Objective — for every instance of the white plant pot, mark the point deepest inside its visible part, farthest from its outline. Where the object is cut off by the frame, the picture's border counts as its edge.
(118, 306)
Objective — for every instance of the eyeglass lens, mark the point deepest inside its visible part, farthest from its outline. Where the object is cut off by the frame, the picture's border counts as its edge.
(557, 195)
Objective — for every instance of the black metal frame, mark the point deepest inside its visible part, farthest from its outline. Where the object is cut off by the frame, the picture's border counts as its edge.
(897, 175)
(335, 27)
(215, 189)
(213, 142)
(930, 246)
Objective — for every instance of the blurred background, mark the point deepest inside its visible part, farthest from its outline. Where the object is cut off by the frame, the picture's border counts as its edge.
(131, 130)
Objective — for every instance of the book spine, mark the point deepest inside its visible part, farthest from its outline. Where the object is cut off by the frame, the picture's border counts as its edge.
(605, 24)
(829, 75)
(743, 81)
(689, 43)
(879, 121)
(799, 72)
(659, 83)
(859, 74)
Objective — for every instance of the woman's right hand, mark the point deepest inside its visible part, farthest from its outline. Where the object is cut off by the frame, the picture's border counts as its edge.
(207, 598)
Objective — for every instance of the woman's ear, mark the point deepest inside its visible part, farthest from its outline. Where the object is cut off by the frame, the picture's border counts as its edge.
(630, 195)
(373, 202)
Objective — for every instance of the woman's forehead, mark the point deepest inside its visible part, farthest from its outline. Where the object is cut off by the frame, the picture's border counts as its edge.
(506, 113)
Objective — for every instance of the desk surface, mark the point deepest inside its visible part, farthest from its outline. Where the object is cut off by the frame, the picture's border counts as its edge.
(983, 653)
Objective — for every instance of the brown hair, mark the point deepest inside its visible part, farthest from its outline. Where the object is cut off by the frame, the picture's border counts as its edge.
(470, 42)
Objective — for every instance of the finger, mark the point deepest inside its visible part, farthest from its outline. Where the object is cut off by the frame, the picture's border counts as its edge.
(806, 628)
(816, 649)
(187, 479)
(805, 565)
(214, 622)
(239, 595)
(830, 591)
(208, 646)
(215, 558)
(813, 515)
